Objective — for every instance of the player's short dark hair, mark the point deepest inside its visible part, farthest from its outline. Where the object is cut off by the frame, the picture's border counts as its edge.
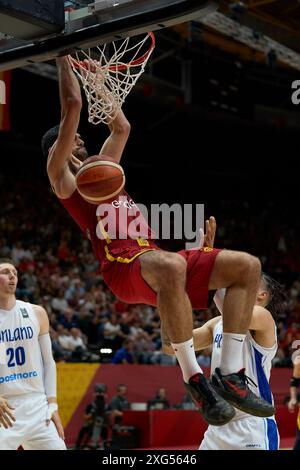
(7, 261)
(277, 293)
(48, 139)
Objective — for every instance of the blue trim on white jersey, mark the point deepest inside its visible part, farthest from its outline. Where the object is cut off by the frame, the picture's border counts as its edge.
(252, 357)
(272, 434)
(263, 384)
(265, 434)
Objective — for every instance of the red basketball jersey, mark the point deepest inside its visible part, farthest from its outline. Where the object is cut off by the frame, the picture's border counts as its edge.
(112, 227)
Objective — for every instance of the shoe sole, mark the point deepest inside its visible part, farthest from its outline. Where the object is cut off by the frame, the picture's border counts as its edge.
(244, 406)
(215, 423)
(208, 420)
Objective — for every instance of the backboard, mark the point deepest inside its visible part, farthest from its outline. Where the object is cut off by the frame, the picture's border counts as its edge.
(96, 22)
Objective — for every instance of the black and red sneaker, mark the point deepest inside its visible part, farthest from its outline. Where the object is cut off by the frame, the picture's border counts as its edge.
(214, 409)
(234, 388)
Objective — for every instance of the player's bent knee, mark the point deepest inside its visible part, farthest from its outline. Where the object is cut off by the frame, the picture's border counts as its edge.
(164, 265)
(235, 267)
(248, 267)
(252, 264)
(164, 270)
(172, 268)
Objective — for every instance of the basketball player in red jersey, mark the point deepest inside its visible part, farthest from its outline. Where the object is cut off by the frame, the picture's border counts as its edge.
(137, 271)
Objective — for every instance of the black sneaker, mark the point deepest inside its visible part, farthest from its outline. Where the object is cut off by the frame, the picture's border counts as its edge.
(234, 389)
(214, 409)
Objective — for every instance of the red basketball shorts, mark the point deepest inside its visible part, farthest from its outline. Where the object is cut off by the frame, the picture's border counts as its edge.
(123, 276)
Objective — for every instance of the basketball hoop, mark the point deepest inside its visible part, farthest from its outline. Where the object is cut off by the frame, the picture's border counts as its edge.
(109, 72)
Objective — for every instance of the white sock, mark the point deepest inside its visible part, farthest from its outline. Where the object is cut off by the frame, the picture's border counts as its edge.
(186, 357)
(232, 353)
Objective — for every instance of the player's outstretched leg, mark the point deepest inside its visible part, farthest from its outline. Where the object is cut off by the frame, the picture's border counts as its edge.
(240, 273)
(166, 274)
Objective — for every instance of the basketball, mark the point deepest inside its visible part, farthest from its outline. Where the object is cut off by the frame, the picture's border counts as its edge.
(100, 179)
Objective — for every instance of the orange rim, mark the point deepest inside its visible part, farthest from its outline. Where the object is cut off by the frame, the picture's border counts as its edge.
(134, 63)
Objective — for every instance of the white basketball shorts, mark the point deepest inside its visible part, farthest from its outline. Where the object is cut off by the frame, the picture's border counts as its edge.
(249, 433)
(30, 430)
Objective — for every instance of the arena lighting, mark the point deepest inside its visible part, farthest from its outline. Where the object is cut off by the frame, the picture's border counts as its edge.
(106, 351)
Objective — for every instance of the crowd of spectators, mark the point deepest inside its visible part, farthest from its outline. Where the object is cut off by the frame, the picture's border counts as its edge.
(58, 270)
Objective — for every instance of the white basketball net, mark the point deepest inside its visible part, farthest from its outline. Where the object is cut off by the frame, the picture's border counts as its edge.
(108, 80)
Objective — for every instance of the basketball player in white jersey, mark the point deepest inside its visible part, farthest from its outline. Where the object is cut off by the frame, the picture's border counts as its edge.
(28, 406)
(245, 432)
